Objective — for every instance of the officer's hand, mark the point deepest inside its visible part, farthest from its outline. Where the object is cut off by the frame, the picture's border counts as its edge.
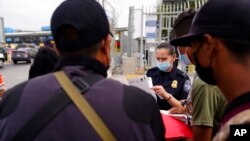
(159, 90)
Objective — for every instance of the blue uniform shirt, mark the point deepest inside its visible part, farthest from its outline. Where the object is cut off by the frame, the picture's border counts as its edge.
(176, 82)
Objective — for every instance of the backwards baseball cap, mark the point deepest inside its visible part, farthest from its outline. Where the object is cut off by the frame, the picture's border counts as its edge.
(86, 16)
(221, 18)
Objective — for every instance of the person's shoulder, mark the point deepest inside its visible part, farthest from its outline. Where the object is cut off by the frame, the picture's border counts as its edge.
(151, 71)
(40, 79)
(139, 104)
(138, 93)
(113, 81)
(16, 87)
(11, 99)
(181, 74)
(198, 84)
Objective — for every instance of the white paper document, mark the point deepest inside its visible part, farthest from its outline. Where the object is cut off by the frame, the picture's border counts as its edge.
(144, 83)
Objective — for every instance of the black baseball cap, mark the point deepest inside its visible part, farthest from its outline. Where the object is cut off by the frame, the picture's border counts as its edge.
(86, 16)
(221, 18)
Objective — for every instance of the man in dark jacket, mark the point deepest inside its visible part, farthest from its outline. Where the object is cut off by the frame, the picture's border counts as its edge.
(220, 44)
(82, 36)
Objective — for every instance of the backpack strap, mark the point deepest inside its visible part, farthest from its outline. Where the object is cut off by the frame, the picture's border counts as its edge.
(84, 107)
(30, 130)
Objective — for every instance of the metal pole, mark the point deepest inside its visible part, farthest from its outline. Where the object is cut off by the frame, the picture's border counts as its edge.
(141, 45)
(160, 28)
(2, 36)
(130, 31)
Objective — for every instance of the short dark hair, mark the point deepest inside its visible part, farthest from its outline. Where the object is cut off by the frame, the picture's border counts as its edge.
(167, 46)
(183, 23)
(44, 62)
(182, 26)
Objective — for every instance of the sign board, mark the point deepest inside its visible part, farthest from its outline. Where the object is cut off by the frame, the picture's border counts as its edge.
(45, 28)
(8, 39)
(151, 25)
(152, 49)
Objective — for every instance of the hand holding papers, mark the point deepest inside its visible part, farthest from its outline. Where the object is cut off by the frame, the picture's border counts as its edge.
(160, 91)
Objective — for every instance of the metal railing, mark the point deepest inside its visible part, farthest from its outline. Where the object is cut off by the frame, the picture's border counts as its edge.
(169, 11)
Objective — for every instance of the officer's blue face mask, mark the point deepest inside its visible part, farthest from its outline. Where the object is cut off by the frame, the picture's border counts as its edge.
(163, 66)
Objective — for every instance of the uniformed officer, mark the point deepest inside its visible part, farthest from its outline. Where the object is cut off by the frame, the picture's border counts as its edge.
(170, 83)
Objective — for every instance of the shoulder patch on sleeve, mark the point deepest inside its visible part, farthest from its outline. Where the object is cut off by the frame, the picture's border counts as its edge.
(183, 74)
(187, 86)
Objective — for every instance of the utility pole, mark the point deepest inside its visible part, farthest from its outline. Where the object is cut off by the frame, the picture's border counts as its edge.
(2, 36)
(130, 48)
(130, 31)
(141, 44)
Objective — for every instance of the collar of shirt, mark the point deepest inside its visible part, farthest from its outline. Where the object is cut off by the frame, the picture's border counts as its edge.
(171, 74)
(77, 60)
(239, 104)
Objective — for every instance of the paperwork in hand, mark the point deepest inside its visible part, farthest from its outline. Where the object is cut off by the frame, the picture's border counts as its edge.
(142, 82)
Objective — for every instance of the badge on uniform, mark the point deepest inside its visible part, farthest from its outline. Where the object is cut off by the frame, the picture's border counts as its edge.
(174, 84)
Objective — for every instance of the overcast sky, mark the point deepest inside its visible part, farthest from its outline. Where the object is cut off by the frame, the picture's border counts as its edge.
(33, 14)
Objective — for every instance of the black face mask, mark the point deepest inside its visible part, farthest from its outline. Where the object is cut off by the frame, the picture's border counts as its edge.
(205, 73)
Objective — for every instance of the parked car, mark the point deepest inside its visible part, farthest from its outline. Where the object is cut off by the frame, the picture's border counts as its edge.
(3, 50)
(23, 45)
(2, 60)
(24, 52)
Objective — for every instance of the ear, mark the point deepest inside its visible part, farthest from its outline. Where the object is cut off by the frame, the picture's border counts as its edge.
(209, 43)
(105, 45)
(174, 57)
